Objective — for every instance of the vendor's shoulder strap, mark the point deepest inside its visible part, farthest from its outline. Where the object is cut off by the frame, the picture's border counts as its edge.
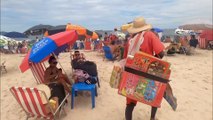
(139, 37)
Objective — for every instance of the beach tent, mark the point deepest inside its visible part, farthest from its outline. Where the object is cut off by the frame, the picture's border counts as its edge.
(196, 27)
(205, 37)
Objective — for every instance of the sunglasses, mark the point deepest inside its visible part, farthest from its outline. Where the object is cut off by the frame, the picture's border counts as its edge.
(54, 62)
(77, 54)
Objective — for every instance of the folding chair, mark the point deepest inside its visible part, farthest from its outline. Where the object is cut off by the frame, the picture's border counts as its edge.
(3, 67)
(38, 71)
(30, 101)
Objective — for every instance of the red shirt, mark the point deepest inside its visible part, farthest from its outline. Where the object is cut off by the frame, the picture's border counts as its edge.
(151, 44)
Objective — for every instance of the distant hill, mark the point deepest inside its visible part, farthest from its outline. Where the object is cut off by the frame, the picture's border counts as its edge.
(3, 33)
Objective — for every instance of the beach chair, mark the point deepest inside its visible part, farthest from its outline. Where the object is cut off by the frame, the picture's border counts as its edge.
(84, 87)
(31, 102)
(95, 76)
(38, 71)
(3, 67)
(107, 53)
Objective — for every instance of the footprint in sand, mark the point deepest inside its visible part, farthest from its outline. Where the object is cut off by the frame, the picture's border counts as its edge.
(205, 88)
(205, 81)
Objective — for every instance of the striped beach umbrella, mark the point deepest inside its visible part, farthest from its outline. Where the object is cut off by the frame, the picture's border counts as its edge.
(47, 46)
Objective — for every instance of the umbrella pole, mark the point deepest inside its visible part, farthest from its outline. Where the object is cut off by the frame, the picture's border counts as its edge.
(59, 63)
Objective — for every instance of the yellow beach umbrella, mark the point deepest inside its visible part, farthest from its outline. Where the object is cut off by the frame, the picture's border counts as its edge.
(125, 27)
(94, 36)
(79, 29)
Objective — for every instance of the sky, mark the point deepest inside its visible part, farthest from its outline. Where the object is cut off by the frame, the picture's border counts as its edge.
(20, 15)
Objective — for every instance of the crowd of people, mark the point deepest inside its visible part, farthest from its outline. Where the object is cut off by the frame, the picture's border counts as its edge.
(141, 38)
(184, 45)
(13, 47)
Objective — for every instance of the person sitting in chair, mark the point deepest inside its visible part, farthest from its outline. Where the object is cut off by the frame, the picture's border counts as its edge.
(114, 49)
(56, 81)
(77, 60)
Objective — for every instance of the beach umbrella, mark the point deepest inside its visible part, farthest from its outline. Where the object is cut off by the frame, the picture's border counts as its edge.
(125, 27)
(79, 29)
(196, 27)
(47, 46)
(83, 32)
(94, 36)
(158, 30)
(39, 29)
(56, 29)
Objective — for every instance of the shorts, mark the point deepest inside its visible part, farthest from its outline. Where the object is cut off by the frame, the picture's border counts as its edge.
(57, 90)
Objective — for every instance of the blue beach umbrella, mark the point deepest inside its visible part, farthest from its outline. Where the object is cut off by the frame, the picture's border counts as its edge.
(43, 48)
(158, 30)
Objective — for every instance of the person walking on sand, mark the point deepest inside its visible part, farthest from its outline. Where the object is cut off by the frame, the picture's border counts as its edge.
(147, 42)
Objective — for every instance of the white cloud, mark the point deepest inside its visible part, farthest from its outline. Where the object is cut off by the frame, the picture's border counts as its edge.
(101, 14)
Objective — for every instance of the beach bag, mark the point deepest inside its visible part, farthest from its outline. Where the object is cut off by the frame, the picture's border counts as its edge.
(91, 80)
(144, 79)
(115, 77)
(90, 67)
(80, 75)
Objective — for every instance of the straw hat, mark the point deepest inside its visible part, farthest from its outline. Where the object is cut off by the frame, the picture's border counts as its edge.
(139, 24)
(46, 90)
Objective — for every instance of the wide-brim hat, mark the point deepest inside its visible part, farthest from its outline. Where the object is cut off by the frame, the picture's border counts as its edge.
(45, 90)
(139, 24)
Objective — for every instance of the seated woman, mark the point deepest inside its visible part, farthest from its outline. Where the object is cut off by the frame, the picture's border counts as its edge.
(56, 81)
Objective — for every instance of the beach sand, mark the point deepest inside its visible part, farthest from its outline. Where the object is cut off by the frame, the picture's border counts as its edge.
(191, 82)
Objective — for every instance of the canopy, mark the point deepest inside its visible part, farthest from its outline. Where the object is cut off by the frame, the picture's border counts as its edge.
(196, 27)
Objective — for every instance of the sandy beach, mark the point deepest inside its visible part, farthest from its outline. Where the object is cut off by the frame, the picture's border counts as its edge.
(191, 82)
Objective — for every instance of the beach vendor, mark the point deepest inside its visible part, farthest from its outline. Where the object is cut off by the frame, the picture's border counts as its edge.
(54, 78)
(147, 42)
